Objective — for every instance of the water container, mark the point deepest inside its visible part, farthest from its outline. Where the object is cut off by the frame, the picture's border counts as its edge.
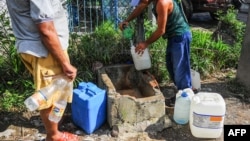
(196, 80)
(89, 107)
(60, 105)
(57, 111)
(207, 113)
(182, 109)
(189, 92)
(37, 99)
(141, 61)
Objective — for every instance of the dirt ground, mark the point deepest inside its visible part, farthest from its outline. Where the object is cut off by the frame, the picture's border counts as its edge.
(27, 126)
(237, 106)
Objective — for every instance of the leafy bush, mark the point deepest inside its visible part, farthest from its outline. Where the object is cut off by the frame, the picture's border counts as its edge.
(105, 45)
(209, 56)
(16, 83)
(231, 25)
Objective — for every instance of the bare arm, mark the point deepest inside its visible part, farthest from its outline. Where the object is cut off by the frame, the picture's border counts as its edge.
(135, 13)
(51, 41)
(138, 10)
(163, 9)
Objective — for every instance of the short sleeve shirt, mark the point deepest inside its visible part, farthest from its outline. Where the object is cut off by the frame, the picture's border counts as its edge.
(25, 14)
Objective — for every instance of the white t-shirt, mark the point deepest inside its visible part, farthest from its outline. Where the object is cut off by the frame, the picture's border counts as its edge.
(25, 14)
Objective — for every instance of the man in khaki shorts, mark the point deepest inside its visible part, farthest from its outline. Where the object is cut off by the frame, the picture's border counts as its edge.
(41, 31)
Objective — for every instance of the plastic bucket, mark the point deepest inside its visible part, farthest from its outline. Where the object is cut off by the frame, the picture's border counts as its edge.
(207, 113)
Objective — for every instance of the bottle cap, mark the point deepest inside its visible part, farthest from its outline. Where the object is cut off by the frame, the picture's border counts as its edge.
(184, 94)
(82, 85)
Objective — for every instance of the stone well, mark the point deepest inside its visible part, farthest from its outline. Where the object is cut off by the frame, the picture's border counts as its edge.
(135, 102)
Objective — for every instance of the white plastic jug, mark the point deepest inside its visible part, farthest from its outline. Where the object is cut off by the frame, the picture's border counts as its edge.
(182, 109)
(196, 80)
(189, 92)
(141, 61)
(207, 113)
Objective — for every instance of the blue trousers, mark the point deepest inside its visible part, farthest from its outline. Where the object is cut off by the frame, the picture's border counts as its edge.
(178, 60)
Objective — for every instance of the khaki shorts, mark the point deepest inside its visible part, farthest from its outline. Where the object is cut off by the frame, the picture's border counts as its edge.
(43, 71)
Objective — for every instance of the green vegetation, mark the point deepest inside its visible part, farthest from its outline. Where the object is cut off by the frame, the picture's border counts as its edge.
(107, 45)
(16, 83)
(209, 56)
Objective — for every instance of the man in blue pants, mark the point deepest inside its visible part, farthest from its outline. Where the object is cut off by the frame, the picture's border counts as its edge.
(173, 26)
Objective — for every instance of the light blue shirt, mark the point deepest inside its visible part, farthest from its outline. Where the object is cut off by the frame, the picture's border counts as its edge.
(25, 14)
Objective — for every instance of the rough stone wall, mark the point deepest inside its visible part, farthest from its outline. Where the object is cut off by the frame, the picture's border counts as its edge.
(133, 100)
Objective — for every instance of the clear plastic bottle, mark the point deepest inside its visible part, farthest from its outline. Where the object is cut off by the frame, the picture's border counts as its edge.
(41, 96)
(59, 106)
(182, 109)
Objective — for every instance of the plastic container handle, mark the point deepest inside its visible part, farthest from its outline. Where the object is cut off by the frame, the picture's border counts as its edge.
(196, 99)
(90, 92)
(208, 99)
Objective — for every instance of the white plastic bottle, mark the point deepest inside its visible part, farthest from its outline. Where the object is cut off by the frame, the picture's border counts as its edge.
(41, 96)
(189, 92)
(182, 109)
(141, 61)
(196, 80)
(59, 106)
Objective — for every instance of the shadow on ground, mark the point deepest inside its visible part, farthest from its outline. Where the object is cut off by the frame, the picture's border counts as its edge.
(27, 124)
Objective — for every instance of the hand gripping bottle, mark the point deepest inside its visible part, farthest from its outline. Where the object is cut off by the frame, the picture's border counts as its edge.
(59, 106)
(141, 61)
(182, 109)
(41, 96)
